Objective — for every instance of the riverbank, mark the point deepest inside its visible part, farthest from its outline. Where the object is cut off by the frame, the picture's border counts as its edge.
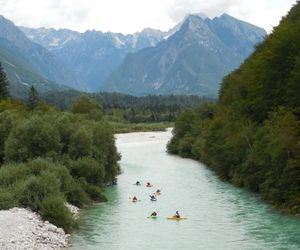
(21, 228)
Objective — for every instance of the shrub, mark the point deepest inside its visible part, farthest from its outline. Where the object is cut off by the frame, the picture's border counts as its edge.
(96, 193)
(90, 169)
(33, 138)
(6, 199)
(38, 188)
(54, 210)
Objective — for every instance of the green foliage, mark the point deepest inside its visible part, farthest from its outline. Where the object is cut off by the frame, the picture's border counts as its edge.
(54, 210)
(86, 106)
(6, 199)
(96, 193)
(252, 137)
(4, 85)
(81, 143)
(88, 168)
(32, 98)
(35, 137)
(127, 113)
(49, 157)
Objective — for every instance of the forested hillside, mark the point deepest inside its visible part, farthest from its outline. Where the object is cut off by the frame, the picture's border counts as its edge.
(49, 157)
(251, 137)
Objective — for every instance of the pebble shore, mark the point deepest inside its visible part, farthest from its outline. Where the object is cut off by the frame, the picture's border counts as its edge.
(23, 229)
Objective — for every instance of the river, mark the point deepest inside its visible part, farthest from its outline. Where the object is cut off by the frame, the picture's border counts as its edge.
(220, 216)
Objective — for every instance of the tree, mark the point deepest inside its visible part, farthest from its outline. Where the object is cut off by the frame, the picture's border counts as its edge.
(88, 107)
(32, 98)
(4, 84)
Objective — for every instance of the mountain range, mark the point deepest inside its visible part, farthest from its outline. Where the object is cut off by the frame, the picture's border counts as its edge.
(93, 55)
(191, 61)
(190, 58)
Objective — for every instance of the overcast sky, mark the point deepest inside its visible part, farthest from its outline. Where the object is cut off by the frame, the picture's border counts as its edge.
(129, 16)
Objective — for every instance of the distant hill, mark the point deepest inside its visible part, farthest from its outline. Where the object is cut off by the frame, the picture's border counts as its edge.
(191, 61)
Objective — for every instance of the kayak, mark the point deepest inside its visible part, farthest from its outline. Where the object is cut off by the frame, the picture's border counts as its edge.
(175, 218)
(135, 201)
(153, 199)
(152, 217)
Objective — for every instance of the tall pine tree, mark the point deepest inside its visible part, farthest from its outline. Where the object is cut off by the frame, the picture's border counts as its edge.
(4, 84)
(32, 98)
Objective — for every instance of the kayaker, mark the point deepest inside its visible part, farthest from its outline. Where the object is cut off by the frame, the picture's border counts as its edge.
(137, 183)
(152, 197)
(148, 184)
(154, 214)
(177, 215)
(158, 191)
(134, 198)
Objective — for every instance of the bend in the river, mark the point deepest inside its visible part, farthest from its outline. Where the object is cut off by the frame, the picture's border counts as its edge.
(220, 216)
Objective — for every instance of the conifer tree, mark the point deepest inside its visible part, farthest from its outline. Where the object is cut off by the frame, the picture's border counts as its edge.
(32, 98)
(4, 84)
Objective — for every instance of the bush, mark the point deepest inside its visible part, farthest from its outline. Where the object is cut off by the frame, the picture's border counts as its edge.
(38, 188)
(33, 138)
(6, 199)
(96, 193)
(76, 195)
(54, 210)
(48, 157)
(90, 169)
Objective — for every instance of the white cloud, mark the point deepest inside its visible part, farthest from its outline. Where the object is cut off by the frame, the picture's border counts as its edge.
(128, 16)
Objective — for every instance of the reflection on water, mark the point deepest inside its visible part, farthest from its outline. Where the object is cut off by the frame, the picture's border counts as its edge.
(220, 216)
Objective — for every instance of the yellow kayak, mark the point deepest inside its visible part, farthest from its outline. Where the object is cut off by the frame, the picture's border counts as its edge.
(176, 218)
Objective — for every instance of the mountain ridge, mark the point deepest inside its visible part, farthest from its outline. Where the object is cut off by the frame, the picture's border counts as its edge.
(193, 59)
(93, 56)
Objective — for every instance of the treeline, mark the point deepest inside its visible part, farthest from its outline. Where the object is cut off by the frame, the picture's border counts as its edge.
(49, 157)
(251, 137)
(131, 109)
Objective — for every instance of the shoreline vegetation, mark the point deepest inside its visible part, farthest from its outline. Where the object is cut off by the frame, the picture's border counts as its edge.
(50, 157)
(251, 136)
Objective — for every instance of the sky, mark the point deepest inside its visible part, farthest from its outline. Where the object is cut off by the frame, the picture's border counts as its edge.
(129, 16)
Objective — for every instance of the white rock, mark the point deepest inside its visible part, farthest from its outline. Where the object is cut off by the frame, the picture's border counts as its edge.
(22, 229)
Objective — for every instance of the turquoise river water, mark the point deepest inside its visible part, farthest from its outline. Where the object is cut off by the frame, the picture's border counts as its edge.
(220, 216)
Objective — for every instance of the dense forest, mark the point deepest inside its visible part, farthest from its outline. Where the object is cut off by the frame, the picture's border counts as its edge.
(251, 137)
(122, 108)
(49, 157)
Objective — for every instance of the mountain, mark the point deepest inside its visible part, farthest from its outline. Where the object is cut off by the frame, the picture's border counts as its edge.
(21, 74)
(193, 60)
(93, 55)
(190, 58)
(21, 52)
(50, 39)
